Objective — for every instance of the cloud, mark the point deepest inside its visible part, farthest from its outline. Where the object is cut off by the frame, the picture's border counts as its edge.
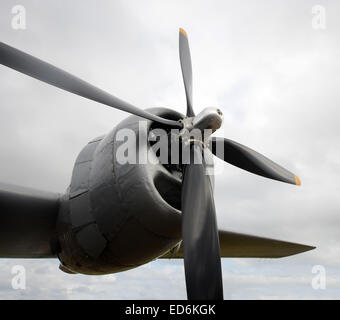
(275, 79)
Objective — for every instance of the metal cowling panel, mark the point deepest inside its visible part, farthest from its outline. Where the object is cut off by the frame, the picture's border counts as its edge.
(82, 220)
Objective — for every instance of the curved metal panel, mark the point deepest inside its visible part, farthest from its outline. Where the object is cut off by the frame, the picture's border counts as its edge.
(27, 222)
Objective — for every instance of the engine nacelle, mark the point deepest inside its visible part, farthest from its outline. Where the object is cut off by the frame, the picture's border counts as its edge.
(117, 216)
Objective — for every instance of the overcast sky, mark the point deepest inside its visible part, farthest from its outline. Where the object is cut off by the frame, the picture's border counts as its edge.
(273, 75)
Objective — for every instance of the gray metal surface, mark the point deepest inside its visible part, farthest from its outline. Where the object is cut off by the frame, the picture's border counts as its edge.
(118, 216)
(209, 118)
(91, 240)
(239, 245)
(27, 222)
(202, 262)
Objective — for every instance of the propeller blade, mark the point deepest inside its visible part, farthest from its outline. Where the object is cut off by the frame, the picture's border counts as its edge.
(185, 58)
(202, 261)
(43, 71)
(250, 160)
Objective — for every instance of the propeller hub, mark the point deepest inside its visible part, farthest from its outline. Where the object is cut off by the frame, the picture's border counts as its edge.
(199, 128)
(209, 118)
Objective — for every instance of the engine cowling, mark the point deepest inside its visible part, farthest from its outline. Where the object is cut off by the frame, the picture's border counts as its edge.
(117, 216)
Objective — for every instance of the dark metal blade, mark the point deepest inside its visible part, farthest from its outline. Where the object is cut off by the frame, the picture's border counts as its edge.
(201, 247)
(250, 160)
(185, 58)
(43, 71)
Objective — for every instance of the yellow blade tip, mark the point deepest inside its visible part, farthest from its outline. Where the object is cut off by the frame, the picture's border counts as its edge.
(182, 31)
(297, 180)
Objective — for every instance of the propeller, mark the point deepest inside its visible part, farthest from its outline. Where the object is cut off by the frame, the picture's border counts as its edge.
(250, 160)
(202, 260)
(185, 58)
(43, 71)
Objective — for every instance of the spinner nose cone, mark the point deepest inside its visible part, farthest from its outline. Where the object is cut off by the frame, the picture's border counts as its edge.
(209, 118)
(220, 114)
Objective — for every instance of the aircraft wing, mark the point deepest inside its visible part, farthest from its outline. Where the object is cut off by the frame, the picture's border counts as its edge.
(27, 222)
(238, 245)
